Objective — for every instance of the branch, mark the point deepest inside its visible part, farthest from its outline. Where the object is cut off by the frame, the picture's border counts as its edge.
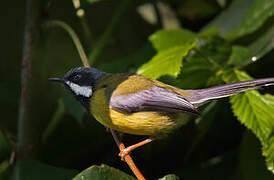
(25, 135)
(128, 158)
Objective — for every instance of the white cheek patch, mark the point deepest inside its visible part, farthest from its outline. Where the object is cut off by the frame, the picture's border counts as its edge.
(85, 91)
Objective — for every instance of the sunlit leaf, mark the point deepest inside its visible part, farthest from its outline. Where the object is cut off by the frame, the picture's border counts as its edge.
(165, 39)
(255, 111)
(167, 62)
(101, 173)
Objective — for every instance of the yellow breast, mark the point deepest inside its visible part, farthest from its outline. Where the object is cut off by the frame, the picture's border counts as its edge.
(140, 123)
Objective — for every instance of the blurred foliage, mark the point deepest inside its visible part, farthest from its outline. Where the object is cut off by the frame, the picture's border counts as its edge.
(220, 41)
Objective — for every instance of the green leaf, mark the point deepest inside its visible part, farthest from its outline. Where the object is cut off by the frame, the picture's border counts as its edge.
(255, 111)
(32, 170)
(102, 172)
(203, 62)
(239, 56)
(170, 177)
(231, 17)
(254, 18)
(242, 17)
(165, 39)
(166, 62)
(263, 45)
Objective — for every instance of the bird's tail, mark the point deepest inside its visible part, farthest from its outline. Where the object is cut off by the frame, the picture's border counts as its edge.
(202, 95)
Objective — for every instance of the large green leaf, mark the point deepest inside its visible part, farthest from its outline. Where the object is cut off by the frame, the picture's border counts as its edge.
(166, 62)
(165, 39)
(243, 17)
(102, 172)
(254, 18)
(256, 112)
(32, 170)
(231, 17)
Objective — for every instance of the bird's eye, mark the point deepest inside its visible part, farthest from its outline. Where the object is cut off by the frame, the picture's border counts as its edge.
(76, 77)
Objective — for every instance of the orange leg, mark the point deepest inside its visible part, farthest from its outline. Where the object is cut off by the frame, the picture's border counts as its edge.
(126, 151)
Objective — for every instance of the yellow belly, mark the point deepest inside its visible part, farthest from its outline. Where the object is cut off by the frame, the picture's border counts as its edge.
(140, 123)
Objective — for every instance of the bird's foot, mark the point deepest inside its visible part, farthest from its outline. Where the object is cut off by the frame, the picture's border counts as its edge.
(124, 152)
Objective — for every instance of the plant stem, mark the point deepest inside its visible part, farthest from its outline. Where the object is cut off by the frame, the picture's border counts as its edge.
(93, 55)
(128, 158)
(73, 36)
(25, 124)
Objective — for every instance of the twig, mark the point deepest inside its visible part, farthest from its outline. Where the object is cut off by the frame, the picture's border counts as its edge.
(25, 131)
(107, 33)
(73, 36)
(128, 158)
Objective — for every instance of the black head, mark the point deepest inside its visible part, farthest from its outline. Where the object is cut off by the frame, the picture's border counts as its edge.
(81, 82)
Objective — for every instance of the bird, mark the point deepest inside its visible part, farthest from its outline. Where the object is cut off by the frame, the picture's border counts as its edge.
(135, 104)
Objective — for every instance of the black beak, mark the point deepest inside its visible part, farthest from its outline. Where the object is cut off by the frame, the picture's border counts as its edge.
(57, 79)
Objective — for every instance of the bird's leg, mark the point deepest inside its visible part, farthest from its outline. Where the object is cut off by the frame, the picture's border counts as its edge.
(126, 151)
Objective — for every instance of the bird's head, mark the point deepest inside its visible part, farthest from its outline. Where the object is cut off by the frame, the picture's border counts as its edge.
(81, 82)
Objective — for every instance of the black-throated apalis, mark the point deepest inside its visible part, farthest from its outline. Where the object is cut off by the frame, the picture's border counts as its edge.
(138, 105)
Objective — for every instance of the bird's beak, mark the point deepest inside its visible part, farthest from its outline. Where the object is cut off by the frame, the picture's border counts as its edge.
(57, 79)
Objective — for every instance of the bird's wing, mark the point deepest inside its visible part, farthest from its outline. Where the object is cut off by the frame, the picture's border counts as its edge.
(156, 99)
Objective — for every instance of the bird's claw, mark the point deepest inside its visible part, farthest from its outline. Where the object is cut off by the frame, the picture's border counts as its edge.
(123, 153)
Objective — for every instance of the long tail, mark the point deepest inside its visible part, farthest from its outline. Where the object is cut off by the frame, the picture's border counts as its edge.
(202, 95)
